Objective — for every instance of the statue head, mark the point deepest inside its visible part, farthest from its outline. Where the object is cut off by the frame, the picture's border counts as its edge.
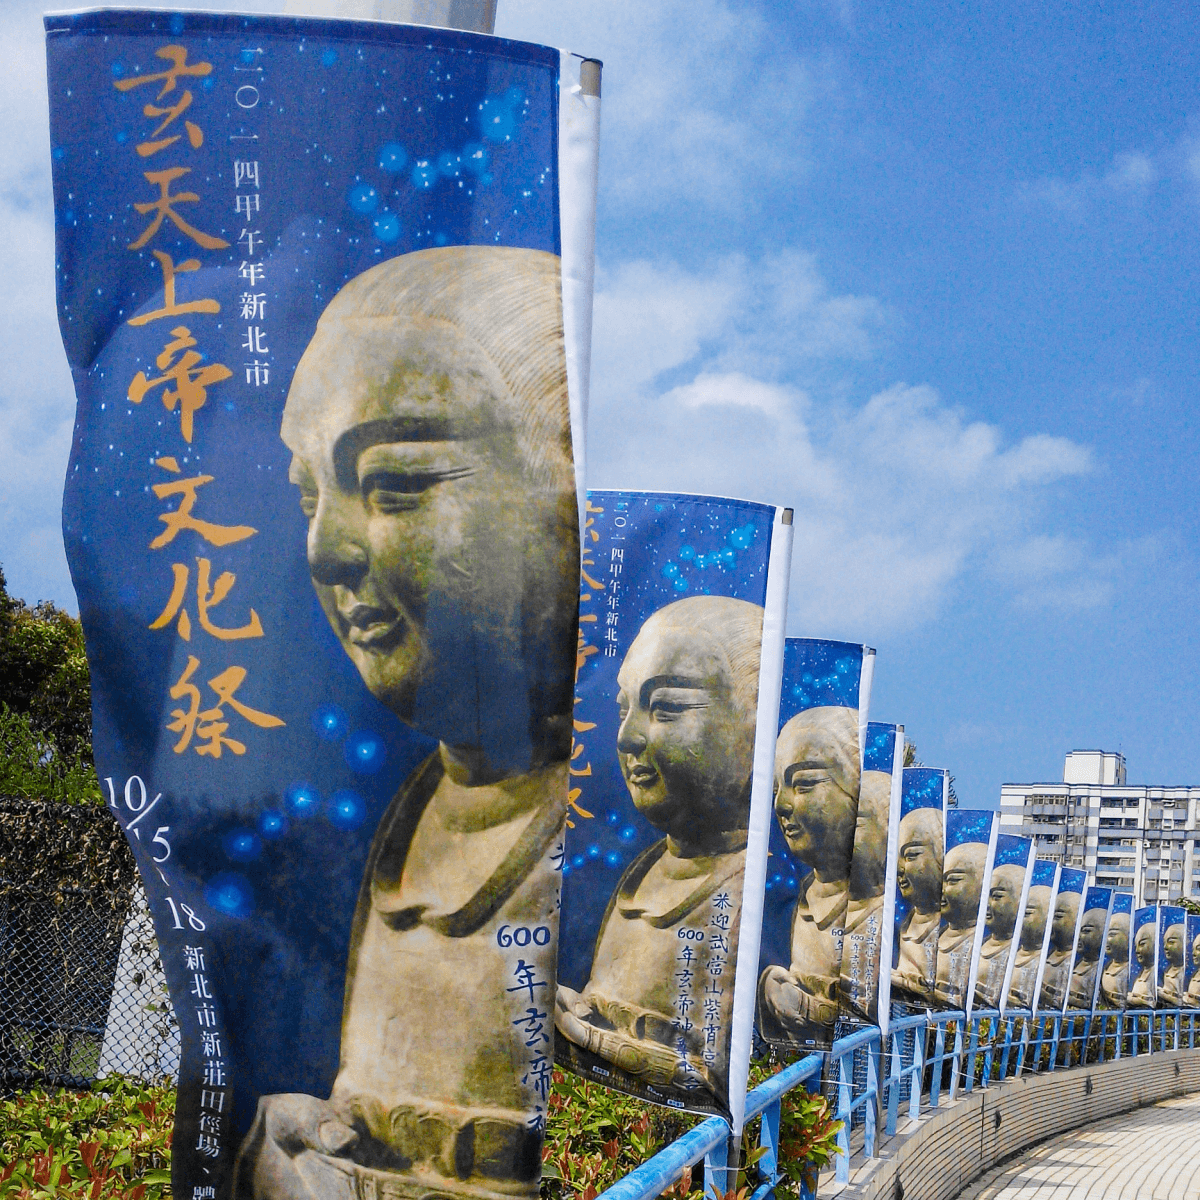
(430, 439)
(688, 703)
(962, 884)
(1196, 952)
(1116, 948)
(1143, 946)
(1091, 935)
(1173, 944)
(1037, 913)
(1066, 913)
(816, 787)
(869, 858)
(1003, 900)
(919, 859)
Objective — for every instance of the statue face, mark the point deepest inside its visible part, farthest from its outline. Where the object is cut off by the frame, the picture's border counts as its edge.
(1004, 898)
(424, 530)
(816, 816)
(919, 861)
(1062, 928)
(1196, 952)
(1117, 947)
(868, 862)
(1037, 912)
(1143, 946)
(686, 747)
(962, 884)
(1091, 934)
(1173, 945)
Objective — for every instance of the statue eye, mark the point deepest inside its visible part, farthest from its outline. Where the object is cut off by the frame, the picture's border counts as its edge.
(393, 491)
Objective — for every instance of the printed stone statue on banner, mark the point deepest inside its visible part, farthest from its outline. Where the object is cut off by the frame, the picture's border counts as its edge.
(1093, 928)
(662, 792)
(867, 943)
(1068, 906)
(689, 691)
(1034, 934)
(1172, 957)
(970, 844)
(1191, 996)
(1142, 970)
(920, 859)
(427, 422)
(1114, 977)
(818, 772)
(1005, 897)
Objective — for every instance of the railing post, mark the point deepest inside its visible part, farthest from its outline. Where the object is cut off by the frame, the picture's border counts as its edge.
(917, 1078)
(716, 1171)
(972, 1050)
(871, 1108)
(1023, 1049)
(939, 1060)
(956, 1062)
(893, 1084)
(842, 1165)
(768, 1164)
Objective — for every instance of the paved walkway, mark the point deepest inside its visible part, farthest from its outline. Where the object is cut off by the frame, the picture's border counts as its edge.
(1150, 1154)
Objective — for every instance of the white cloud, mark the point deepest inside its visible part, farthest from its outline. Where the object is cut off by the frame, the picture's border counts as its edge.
(1130, 178)
(699, 110)
(899, 500)
(733, 390)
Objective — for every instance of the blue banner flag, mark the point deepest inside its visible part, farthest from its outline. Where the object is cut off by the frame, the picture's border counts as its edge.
(920, 855)
(1114, 978)
(1143, 958)
(1172, 956)
(681, 614)
(1030, 958)
(1191, 996)
(870, 909)
(322, 521)
(1005, 900)
(970, 851)
(1064, 929)
(1093, 933)
(818, 770)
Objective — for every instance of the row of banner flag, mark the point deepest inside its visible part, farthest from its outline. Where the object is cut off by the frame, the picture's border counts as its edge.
(418, 815)
(865, 893)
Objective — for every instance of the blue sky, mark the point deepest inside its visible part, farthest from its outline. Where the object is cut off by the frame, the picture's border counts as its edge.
(926, 273)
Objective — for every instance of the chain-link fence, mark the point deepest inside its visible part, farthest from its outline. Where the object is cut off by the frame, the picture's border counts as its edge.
(82, 992)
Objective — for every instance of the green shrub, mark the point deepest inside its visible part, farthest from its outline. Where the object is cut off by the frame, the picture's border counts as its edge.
(114, 1141)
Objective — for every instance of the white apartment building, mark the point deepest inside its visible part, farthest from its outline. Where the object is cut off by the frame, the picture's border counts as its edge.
(1139, 839)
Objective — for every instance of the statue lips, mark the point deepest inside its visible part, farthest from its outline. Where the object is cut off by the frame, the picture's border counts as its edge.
(371, 628)
(641, 775)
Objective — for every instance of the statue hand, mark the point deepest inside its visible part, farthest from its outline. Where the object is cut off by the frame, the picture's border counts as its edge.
(284, 1127)
(792, 1003)
(570, 1014)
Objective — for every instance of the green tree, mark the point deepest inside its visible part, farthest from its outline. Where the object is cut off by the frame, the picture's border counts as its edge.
(45, 703)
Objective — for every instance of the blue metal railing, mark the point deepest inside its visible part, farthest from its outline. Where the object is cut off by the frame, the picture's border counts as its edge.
(918, 1061)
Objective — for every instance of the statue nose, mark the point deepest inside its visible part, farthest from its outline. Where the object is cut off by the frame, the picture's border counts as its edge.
(631, 737)
(336, 553)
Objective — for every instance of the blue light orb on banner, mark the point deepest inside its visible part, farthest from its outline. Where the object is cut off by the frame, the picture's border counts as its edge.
(302, 800)
(230, 894)
(330, 722)
(272, 824)
(241, 845)
(346, 810)
(365, 752)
